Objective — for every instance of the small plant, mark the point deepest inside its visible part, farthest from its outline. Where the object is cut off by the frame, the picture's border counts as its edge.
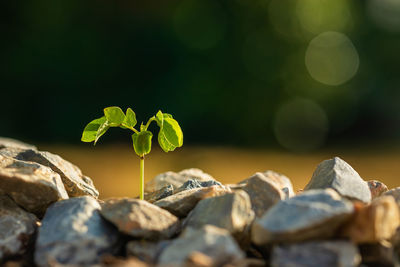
(170, 135)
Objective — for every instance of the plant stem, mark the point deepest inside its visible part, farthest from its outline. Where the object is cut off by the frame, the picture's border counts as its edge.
(149, 121)
(142, 177)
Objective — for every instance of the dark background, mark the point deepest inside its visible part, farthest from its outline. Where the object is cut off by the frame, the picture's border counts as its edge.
(223, 69)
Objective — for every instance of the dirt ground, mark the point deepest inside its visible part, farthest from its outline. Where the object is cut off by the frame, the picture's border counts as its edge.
(115, 169)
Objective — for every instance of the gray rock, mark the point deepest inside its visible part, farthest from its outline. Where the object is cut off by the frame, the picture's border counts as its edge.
(140, 219)
(30, 185)
(230, 211)
(146, 251)
(314, 214)
(377, 188)
(74, 233)
(176, 179)
(316, 254)
(16, 229)
(263, 193)
(193, 183)
(8, 142)
(280, 180)
(159, 194)
(337, 174)
(182, 203)
(214, 242)
(74, 181)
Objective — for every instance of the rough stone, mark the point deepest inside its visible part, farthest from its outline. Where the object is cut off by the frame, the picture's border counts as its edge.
(337, 174)
(182, 203)
(159, 194)
(8, 142)
(212, 241)
(314, 214)
(73, 232)
(176, 179)
(280, 180)
(140, 219)
(146, 251)
(75, 183)
(16, 229)
(316, 254)
(377, 188)
(32, 186)
(374, 222)
(193, 183)
(230, 211)
(263, 193)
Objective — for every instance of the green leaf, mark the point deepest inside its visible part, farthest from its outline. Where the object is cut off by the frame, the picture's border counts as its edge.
(159, 118)
(130, 119)
(164, 143)
(142, 142)
(166, 115)
(102, 130)
(170, 135)
(173, 132)
(114, 115)
(90, 131)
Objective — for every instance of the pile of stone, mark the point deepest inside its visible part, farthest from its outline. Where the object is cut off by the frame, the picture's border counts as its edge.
(50, 216)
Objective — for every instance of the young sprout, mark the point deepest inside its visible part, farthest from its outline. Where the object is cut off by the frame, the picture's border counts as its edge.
(170, 135)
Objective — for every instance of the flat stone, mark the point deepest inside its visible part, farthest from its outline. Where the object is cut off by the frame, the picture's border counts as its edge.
(8, 142)
(374, 222)
(176, 179)
(140, 219)
(337, 174)
(74, 233)
(182, 203)
(377, 188)
(16, 229)
(314, 214)
(146, 251)
(209, 240)
(159, 194)
(32, 186)
(230, 211)
(74, 181)
(316, 254)
(263, 192)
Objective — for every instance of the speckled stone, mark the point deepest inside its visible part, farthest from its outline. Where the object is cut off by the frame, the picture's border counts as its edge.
(140, 219)
(314, 214)
(31, 185)
(75, 183)
(74, 233)
(337, 174)
(17, 228)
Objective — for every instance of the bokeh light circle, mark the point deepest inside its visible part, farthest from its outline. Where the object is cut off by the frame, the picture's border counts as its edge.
(385, 13)
(301, 125)
(331, 58)
(200, 24)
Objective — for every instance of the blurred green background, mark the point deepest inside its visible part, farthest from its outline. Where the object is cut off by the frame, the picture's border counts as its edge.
(290, 75)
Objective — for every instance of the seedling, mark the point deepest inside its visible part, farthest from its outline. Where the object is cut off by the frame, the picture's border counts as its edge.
(170, 135)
